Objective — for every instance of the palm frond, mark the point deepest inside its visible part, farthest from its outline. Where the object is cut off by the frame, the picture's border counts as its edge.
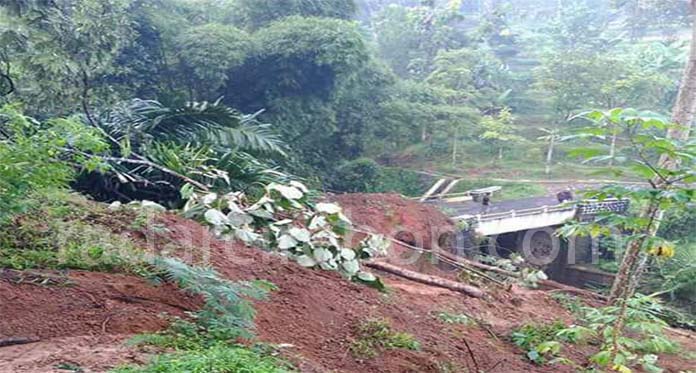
(200, 122)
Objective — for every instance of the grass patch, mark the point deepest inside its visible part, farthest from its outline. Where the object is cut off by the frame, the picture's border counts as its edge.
(452, 318)
(66, 231)
(205, 344)
(203, 349)
(219, 357)
(373, 336)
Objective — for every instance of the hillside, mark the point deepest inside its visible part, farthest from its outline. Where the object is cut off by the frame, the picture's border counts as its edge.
(82, 319)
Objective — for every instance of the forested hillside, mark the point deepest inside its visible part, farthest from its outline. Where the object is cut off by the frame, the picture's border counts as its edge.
(439, 85)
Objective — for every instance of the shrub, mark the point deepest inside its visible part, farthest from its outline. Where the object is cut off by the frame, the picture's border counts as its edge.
(364, 175)
(217, 358)
(227, 313)
(207, 342)
(539, 341)
(360, 175)
(37, 157)
(375, 335)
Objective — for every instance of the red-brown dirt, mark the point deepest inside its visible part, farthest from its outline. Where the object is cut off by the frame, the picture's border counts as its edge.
(406, 220)
(98, 353)
(316, 312)
(80, 318)
(86, 304)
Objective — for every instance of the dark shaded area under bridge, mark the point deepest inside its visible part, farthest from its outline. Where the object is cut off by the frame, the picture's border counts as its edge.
(453, 209)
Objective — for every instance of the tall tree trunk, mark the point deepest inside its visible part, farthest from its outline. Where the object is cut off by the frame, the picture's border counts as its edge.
(549, 154)
(612, 149)
(455, 141)
(683, 114)
(685, 107)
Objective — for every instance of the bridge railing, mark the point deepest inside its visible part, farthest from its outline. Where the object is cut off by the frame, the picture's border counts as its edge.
(515, 213)
(583, 208)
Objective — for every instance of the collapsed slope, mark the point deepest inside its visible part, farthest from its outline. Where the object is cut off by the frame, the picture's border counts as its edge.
(314, 313)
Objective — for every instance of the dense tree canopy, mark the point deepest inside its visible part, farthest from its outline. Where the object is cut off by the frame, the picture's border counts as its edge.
(259, 13)
(415, 78)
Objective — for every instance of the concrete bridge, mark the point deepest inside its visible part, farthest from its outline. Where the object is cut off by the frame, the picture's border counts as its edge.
(553, 215)
(513, 215)
(527, 226)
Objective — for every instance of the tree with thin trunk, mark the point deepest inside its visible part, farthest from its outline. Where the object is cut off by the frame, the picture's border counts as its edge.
(551, 137)
(668, 164)
(683, 116)
(666, 188)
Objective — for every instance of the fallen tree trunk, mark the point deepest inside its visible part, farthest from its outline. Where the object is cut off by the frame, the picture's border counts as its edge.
(428, 280)
(464, 263)
(16, 341)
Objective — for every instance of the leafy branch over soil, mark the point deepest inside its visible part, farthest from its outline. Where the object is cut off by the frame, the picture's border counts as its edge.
(285, 221)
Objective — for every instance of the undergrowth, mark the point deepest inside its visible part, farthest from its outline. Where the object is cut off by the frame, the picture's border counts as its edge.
(227, 313)
(208, 341)
(203, 349)
(373, 336)
(539, 341)
(639, 344)
(219, 357)
(454, 318)
(63, 231)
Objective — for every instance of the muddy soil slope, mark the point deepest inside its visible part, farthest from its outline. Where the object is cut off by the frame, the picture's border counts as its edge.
(315, 312)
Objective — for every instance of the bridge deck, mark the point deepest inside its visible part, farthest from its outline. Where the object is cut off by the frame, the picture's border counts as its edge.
(475, 208)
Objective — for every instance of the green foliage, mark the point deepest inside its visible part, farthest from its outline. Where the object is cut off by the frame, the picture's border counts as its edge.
(403, 181)
(137, 123)
(62, 231)
(39, 157)
(207, 144)
(498, 130)
(638, 345)
(283, 220)
(569, 302)
(207, 54)
(676, 277)
(207, 344)
(644, 341)
(665, 16)
(665, 189)
(417, 75)
(360, 175)
(227, 313)
(216, 358)
(364, 175)
(258, 13)
(450, 318)
(410, 37)
(540, 341)
(373, 336)
(471, 76)
(332, 43)
(64, 49)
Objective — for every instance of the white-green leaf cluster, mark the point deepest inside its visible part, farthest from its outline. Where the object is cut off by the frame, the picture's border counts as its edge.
(284, 221)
